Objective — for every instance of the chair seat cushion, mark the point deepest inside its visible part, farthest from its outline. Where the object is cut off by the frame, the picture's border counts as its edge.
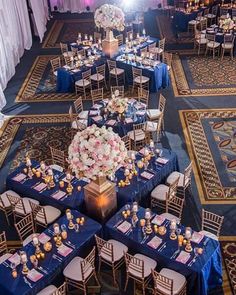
(73, 270)
(153, 113)
(212, 44)
(83, 115)
(48, 290)
(136, 135)
(5, 199)
(149, 264)
(141, 79)
(27, 206)
(118, 251)
(51, 213)
(178, 281)
(227, 45)
(97, 77)
(116, 71)
(28, 239)
(193, 22)
(209, 234)
(82, 83)
(56, 167)
(79, 122)
(4, 257)
(202, 41)
(151, 126)
(159, 192)
(170, 217)
(210, 15)
(173, 176)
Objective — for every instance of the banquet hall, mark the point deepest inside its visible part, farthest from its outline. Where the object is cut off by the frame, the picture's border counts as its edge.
(117, 147)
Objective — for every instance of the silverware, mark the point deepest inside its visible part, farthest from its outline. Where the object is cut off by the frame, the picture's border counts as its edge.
(42, 270)
(27, 282)
(128, 232)
(162, 247)
(43, 190)
(5, 264)
(144, 239)
(192, 261)
(57, 257)
(70, 244)
(118, 223)
(175, 253)
(206, 241)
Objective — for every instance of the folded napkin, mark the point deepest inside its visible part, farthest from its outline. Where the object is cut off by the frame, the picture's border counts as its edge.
(111, 122)
(155, 242)
(128, 120)
(140, 113)
(40, 186)
(43, 238)
(146, 175)
(162, 160)
(58, 195)
(158, 220)
(19, 177)
(65, 180)
(93, 113)
(183, 257)
(34, 275)
(124, 227)
(197, 237)
(97, 118)
(64, 250)
(75, 70)
(15, 258)
(140, 105)
(142, 151)
(96, 106)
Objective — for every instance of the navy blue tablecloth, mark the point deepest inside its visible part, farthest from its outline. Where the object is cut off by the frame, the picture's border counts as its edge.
(82, 241)
(204, 274)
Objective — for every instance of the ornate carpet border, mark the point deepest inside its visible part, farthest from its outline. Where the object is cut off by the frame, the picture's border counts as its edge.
(181, 87)
(208, 184)
(52, 37)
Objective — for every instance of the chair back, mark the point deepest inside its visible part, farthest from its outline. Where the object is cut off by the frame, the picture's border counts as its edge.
(111, 64)
(97, 36)
(16, 203)
(58, 157)
(67, 60)
(25, 227)
(206, 11)
(127, 141)
(78, 105)
(143, 95)
(64, 48)
(214, 10)
(233, 12)
(138, 129)
(120, 39)
(87, 263)
(3, 243)
(137, 73)
(175, 206)
(229, 38)
(121, 90)
(130, 35)
(134, 265)
(151, 46)
(105, 248)
(40, 212)
(74, 50)
(199, 15)
(203, 24)
(86, 76)
(223, 11)
(168, 57)
(60, 290)
(162, 103)
(187, 174)
(161, 44)
(97, 95)
(79, 125)
(161, 282)
(55, 63)
(101, 70)
(81, 52)
(210, 37)
(212, 222)
(172, 189)
(143, 51)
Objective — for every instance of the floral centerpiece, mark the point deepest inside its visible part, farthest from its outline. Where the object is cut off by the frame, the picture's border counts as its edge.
(227, 24)
(96, 152)
(117, 104)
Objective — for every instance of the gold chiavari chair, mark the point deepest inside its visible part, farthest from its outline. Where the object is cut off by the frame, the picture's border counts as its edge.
(212, 16)
(153, 129)
(79, 271)
(159, 50)
(83, 84)
(212, 45)
(111, 252)
(5, 205)
(223, 12)
(138, 268)
(79, 109)
(58, 159)
(154, 114)
(65, 51)
(192, 24)
(200, 41)
(4, 253)
(126, 139)
(143, 96)
(163, 193)
(184, 180)
(143, 51)
(168, 57)
(82, 53)
(203, 24)
(97, 36)
(44, 215)
(120, 39)
(137, 136)
(174, 209)
(67, 61)
(121, 90)
(152, 47)
(130, 35)
(55, 64)
(211, 224)
(228, 45)
(76, 124)
(25, 229)
(74, 50)
(114, 72)
(53, 290)
(100, 76)
(206, 12)
(97, 95)
(169, 282)
(138, 79)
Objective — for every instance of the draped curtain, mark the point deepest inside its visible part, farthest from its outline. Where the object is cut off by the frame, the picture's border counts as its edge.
(15, 36)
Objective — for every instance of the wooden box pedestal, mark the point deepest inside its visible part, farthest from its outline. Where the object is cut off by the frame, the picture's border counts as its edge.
(110, 47)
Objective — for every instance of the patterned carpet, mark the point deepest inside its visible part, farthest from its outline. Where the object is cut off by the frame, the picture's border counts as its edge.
(210, 139)
(203, 76)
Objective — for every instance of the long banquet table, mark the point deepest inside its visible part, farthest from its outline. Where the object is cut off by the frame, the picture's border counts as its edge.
(137, 190)
(202, 275)
(54, 262)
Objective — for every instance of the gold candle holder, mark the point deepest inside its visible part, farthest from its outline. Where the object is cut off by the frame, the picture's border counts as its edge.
(188, 234)
(173, 235)
(148, 221)
(69, 188)
(70, 219)
(127, 173)
(57, 236)
(135, 210)
(23, 259)
(43, 169)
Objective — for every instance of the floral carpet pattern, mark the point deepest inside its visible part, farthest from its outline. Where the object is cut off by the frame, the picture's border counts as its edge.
(210, 139)
(203, 76)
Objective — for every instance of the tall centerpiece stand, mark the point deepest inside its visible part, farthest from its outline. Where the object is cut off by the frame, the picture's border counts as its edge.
(109, 18)
(97, 153)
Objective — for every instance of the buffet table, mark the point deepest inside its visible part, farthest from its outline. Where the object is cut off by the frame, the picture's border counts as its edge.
(203, 273)
(77, 243)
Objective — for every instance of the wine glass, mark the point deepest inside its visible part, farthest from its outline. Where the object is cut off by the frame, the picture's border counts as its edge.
(63, 227)
(178, 231)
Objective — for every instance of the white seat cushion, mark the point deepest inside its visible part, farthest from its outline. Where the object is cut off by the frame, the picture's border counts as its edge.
(227, 45)
(193, 22)
(209, 235)
(159, 192)
(5, 199)
(27, 206)
(178, 281)
(210, 15)
(73, 270)
(141, 79)
(4, 257)
(153, 113)
(56, 167)
(74, 124)
(170, 217)
(212, 44)
(137, 135)
(202, 41)
(118, 251)
(116, 71)
(48, 290)
(83, 115)
(51, 213)
(28, 239)
(97, 77)
(149, 264)
(173, 176)
(151, 126)
(82, 82)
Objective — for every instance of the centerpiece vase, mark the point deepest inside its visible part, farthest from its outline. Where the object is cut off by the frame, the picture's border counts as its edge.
(110, 44)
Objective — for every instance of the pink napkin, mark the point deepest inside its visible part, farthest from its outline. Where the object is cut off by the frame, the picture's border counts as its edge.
(162, 160)
(40, 186)
(142, 151)
(64, 250)
(124, 227)
(19, 177)
(34, 275)
(43, 238)
(140, 113)
(183, 257)
(111, 122)
(140, 105)
(58, 195)
(197, 237)
(15, 259)
(158, 220)
(128, 120)
(155, 242)
(97, 118)
(146, 175)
